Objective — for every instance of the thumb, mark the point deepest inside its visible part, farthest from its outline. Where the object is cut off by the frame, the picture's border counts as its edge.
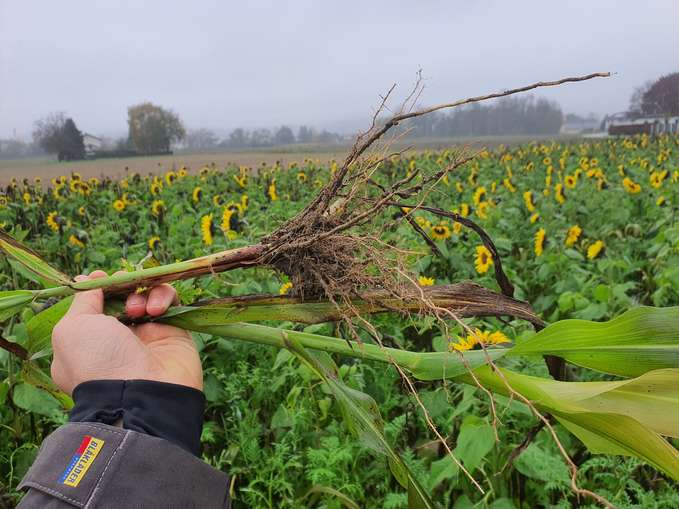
(90, 302)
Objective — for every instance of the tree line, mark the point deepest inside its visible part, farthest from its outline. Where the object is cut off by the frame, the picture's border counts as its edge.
(520, 115)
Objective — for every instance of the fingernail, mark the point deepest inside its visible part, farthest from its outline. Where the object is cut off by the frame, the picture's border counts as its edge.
(135, 300)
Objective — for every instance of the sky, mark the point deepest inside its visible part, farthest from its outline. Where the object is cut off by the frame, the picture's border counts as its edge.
(222, 65)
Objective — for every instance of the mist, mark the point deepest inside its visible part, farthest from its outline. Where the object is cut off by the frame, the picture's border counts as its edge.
(266, 63)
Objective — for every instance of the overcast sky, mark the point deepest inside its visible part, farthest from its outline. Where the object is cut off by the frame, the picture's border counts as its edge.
(254, 63)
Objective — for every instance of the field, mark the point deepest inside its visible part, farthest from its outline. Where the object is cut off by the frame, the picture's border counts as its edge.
(585, 230)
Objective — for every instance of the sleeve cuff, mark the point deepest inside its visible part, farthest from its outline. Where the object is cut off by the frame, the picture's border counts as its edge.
(169, 411)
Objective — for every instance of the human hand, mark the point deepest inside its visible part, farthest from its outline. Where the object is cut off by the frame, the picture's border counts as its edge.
(89, 345)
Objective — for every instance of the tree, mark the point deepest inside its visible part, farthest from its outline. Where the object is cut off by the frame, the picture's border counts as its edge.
(201, 139)
(59, 135)
(152, 128)
(239, 138)
(305, 134)
(637, 99)
(662, 97)
(284, 136)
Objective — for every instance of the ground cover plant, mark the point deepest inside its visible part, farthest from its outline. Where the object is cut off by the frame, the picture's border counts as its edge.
(584, 231)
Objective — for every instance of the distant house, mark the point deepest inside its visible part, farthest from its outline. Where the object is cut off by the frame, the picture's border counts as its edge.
(626, 124)
(92, 143)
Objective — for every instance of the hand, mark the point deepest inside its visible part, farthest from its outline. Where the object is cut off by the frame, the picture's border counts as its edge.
(89, 345)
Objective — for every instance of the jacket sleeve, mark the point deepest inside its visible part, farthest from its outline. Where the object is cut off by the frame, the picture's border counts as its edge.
(152, 461)
(92, 465)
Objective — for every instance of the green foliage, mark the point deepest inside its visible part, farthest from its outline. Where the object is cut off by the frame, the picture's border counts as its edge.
(278, 431)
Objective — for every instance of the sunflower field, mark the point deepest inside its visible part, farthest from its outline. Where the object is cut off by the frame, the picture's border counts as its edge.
(584, 230)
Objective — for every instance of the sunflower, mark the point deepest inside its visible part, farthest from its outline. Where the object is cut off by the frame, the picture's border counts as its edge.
(54, 221)
(76, 242)
(457, 228)
(595, 249)
(464, 210)
(3, 202)
(154, 243)
(170, 177)
(242, 180)
(559, 194)
(81, 211)
(534, 218)
(574, 233)
(271, 191)
(631, 186)
(119, 205)
(158, 208)
(217, 200)
(482, 209)
(244, 202)
(229, 220)
(422, 222)
(484, 259)
(285, 288)
(425, 281)
(479, 338)
(204, 171)
(479, 195)
(206, 229)
(182, 172)
(661, 202)
(657, 177)
(27, 198)
(508, 184)
(301, 176)
(570, 181)
(528, 200)
(540, 241)
(156, 187)
(440, 232)
(197, 194)
(459, 187)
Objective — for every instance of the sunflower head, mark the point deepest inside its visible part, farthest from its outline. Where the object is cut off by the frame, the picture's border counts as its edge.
(154, 243)
(484, 259)
(197, 194)
(440, 232)
(118, 205)
(206, 229)
(425, 281)
(158, 208)
(285, 288)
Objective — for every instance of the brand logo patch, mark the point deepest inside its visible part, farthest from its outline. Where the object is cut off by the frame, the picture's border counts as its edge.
(81, 461)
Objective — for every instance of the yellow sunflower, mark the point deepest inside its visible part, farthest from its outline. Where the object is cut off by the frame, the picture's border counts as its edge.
(119, 205)
(574, 233)
(27, 198)
(170, 177)
(53, 221)
(508, 184)
(484, 259)
(528, 200)
(540, 241)
(206, 229)
(301, 176)
(76, 242)
(81, 211)
(154, 243)
(661, 202)
(425, 281)
(631, 186)
(158, 208)
(197, 194)
(479, 338)
(3, 202)
(559, 194)
(570, 181)
(285, 288)
(479, 195)
(595, 249)
(534, 218)
(271, 191)
(440, 232)
(218, 200)
(482, 209)
(156, 187)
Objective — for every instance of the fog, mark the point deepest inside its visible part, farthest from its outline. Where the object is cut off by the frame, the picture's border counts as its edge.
(222, 65)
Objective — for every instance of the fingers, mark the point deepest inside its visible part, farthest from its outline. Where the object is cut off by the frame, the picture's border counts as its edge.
(160, 298)
(155, 303)
(90, 302)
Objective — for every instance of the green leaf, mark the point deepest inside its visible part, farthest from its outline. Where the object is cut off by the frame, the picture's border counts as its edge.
(639, 340)
(12, 302)
(35, 400)
(43, 271)
(40, 326)
(362, 416)
(475, 440)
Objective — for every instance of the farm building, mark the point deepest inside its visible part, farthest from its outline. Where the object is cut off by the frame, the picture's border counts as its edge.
(92, 143)
(624, 124)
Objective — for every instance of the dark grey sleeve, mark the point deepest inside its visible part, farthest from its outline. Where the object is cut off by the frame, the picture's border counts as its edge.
(92, 465)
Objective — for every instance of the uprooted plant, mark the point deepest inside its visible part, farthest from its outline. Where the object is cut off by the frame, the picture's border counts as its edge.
(342, 270)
